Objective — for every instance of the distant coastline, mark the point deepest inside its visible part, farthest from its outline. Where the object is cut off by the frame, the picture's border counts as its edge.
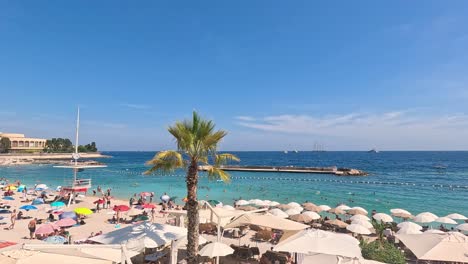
(46, 158)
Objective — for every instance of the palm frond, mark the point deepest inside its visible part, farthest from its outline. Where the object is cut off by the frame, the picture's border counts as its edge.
(223, 159)
(165, 161)
(215, 173)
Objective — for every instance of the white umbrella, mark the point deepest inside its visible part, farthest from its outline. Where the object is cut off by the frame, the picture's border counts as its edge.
(294, 205)
(445, 220)
(312, 215)
(165, 198)
(462, 227)
(313, 241)
(425, 217)
(228, 207)
(360, 217)
(324, 207)
(256, 201)
(457, 217)
(216, 249)
(434, 231)
(383, 217)
(411, 230)
(363, 223)
(242, 203)
(343, 207)
(360, 209)
(274, 203)
(409, 225)
(279, 213)
(42, 186)
(293, 211)
(358, 229)
(266, 202)
(399, 211)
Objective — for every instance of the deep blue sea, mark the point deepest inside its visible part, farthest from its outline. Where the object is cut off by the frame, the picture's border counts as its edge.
(409, 180)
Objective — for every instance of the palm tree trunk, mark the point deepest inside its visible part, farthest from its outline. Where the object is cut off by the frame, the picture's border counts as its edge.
(192, 212)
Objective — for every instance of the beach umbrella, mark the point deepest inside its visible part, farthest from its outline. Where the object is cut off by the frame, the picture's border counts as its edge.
(65, 222)
(70, 214)
(55, 240)
(242, 203)
(228, 207)
(409, 225)
(313, 208)
(11, 188)
(358, 229)
(165, 198)
(337, 223)
(294, 204)
(57, 204)
(313, 241)
(121, 208)
(445, 220)
(399, 211)
(383, 217)
(360, 209)
(279, 213)
(336, 211)
(308, 204)
(283, 206)
(83, 211)
(360, 217)
(457, 217)
(343, 207)
(462, 227)
(256, 202)
(409, 231)
(21, 188)
(301, 218)
(434, 231)
(46, 229)
(41, 186)
(141, 218)
(8, 198)
(149, 206)
(403, 215)
(214, 202)
(247, 208)
(216, 249)
(425, 217)
(28, 207)
(267, 202)
(37, 201)
(98, 201)
(293, 211)
(312, 215)
(353, 211)
(324, 207)
(5, 211)
(273, 203)
(363, 223)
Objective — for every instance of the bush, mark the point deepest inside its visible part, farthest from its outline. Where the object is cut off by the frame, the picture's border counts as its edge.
(382, 251)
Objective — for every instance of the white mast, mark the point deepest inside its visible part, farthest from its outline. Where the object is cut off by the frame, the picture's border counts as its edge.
(77, 135)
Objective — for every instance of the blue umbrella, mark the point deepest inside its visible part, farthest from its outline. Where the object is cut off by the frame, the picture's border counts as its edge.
(10, 198)
(71, 215)
(55, 240)
(57, 204)
(37, 201)
(28, 207)
(5, 211)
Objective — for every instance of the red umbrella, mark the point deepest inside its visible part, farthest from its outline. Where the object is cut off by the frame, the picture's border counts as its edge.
(100, 201)
(65, 222)
(121, 208)
(46, 229)
(149, 206)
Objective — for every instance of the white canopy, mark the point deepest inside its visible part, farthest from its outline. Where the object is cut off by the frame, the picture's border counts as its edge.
(437, 247)
(242, 203)
(266, 220)
(425, 217)
(324, 207)
(434, 231)
(409, 225)
(293, 211)
(462, 227)
(358, 229)
(313, 241)
(279, 213)
(216, 249)
(145, 235)
(360, 209)
(343, 207)
(360, 217)
(410, 230)
(399, 211)
(312, 215)
(457, 217)
(363, 223)
(294, 205)
(383, 217)
(445, 220)
(228, 207)
(22, 256)
(331, 259)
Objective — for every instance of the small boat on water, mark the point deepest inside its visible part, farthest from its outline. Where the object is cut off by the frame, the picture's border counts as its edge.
(373, 151)
(439, 167)
(295, 151)
(285, 152)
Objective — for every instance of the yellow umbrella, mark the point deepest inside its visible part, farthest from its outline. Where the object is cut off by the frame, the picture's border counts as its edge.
(83, 211)
(11, 188)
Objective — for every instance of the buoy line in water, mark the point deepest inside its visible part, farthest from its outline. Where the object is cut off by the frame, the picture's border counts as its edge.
(449, 186)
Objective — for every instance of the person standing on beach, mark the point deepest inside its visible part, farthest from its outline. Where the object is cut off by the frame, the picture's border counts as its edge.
(12, 219)
(108, 202)
(32, 228)
(152, 215)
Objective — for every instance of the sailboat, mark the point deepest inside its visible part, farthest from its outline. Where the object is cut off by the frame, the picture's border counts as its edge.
(77, 185)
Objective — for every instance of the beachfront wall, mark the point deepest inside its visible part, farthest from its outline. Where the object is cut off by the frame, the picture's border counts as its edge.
(21, 143)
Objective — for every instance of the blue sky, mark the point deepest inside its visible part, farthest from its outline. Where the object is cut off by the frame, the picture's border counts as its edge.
(277, 75)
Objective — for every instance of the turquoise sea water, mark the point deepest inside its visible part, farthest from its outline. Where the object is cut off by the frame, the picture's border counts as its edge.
(409, 180)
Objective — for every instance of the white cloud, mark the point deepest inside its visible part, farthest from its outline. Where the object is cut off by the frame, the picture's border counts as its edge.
(245, 118)
(136, 106)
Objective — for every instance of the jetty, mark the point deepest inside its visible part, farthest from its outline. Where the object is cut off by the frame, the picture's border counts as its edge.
(292, 169)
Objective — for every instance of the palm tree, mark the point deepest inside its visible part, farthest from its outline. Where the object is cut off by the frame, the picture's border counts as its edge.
(197, 143)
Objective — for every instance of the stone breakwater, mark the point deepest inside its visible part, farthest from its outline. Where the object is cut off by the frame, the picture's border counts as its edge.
(47, 158)
(291, 169)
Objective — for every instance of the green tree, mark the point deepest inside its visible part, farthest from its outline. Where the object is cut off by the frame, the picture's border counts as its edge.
(197, 142)
(59, 145)
(382, 251)
(5, 145)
